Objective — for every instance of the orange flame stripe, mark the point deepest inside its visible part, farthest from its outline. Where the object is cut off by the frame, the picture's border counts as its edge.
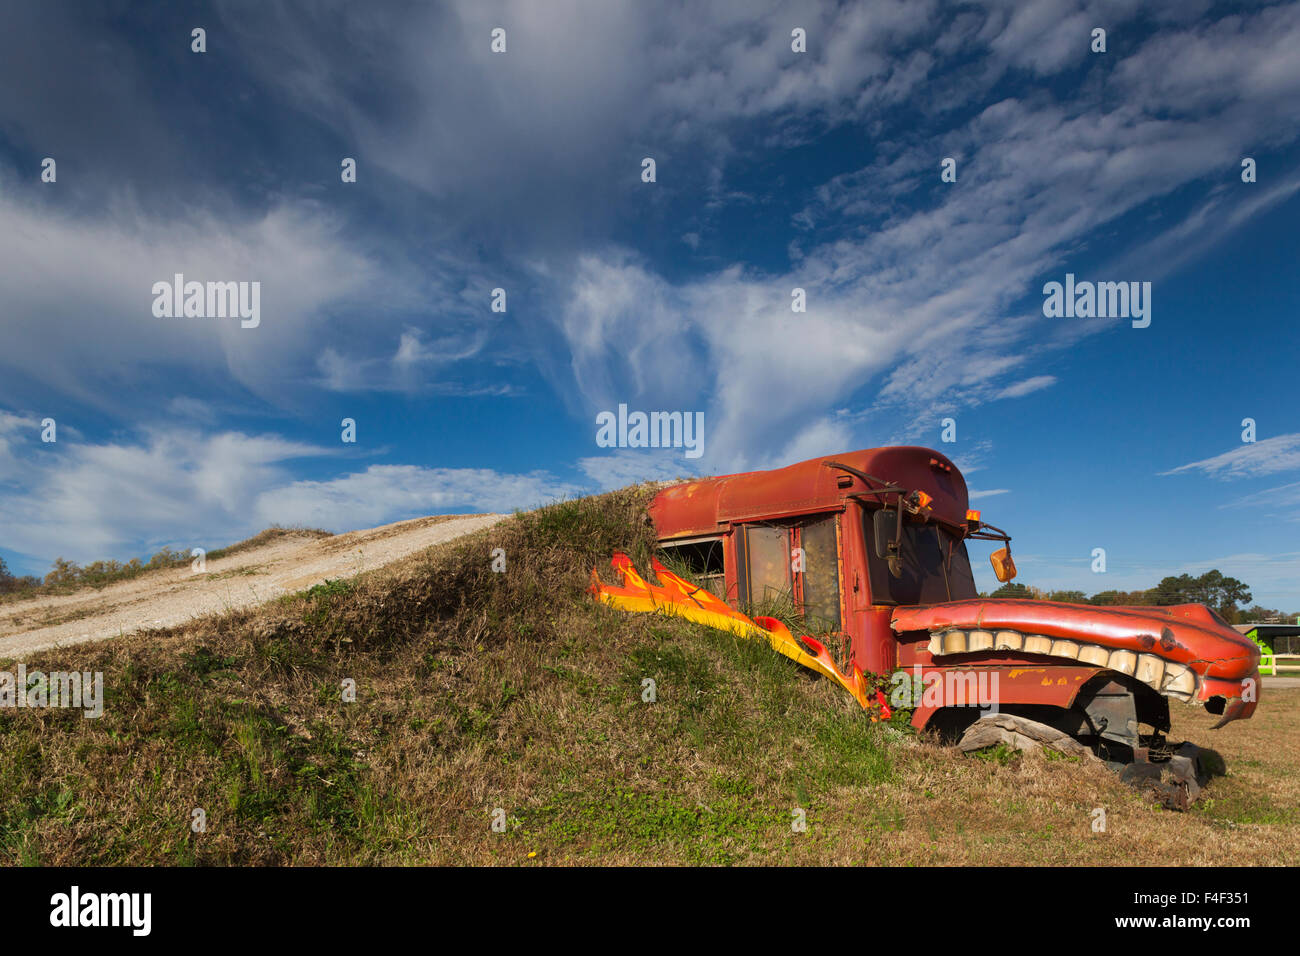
(677, 596)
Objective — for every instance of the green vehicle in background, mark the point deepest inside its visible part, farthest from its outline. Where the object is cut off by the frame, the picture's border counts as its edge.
(1275, 640)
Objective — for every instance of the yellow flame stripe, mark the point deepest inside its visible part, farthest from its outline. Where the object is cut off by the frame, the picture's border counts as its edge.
(677, 596)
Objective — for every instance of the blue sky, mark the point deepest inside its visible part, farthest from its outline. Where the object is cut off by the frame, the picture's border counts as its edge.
(774, 170)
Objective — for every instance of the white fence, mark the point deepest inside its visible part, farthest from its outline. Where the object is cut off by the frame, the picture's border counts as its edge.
(1277, 664)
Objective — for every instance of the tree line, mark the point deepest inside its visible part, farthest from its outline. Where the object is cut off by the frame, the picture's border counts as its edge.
(1228, 597)
(1225, 595)
(68, 574)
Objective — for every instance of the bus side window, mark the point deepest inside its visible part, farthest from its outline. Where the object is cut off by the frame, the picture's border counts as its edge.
(702, 559)
(797, 563)
(821, 573)
(767, 563)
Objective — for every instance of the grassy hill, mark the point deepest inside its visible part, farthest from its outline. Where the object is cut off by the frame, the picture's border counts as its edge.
(513, 696)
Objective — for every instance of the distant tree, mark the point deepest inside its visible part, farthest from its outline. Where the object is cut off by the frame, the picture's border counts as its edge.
(1266, 615)
(1014, 590)
(1118, 598)
(1068, 597)
(1224, 594)
(1214, 589)
(167, 558)
(1257, 615)
(9, 583)
(1173, 590)
(63, 572)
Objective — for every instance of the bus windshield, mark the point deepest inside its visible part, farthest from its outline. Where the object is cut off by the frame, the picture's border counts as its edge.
(935, 567)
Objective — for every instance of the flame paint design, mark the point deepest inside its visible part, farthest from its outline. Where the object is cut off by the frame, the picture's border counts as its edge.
(677, 596)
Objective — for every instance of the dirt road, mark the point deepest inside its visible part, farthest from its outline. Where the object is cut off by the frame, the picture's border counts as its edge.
(166, 598)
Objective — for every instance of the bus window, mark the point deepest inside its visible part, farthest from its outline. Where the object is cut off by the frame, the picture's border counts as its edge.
(821, 573)
(701, 559)
(771, 568)
(935, 567)
(767, 563)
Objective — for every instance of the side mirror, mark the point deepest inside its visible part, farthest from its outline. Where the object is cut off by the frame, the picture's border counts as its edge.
(1004, 569)
(885, 525)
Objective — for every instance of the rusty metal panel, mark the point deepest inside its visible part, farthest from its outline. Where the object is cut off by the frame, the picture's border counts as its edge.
(1047, 685)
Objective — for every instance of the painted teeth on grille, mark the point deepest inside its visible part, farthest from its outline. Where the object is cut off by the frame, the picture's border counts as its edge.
(1167, 677)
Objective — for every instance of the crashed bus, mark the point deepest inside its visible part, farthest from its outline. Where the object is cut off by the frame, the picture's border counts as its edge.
(870, 548)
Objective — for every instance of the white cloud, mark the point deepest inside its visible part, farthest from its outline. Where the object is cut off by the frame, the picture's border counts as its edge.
(384, 493)
(183, 488)
(94, 275)
(179, 487)
(12, 429)
(1027, 386)
(972, 456)
(916, 301)
(632, 466)
(94, 278)
(416, 366)
(975, 495)
(824, 436)
(921, 304)
(1045, 36)
(1265, 457)
(1282, 501)
(580, 83)
(637, 339)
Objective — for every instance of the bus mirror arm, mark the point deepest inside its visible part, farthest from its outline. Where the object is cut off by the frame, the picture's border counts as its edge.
(1004, 568)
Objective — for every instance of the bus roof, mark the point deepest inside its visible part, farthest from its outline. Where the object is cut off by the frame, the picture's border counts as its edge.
(707, 506)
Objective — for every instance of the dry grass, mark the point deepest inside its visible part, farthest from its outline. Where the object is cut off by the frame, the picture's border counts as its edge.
(269, 536)
(477, 690)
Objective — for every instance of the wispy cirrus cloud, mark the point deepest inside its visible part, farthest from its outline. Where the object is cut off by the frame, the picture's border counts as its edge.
(1268, 456)
(1027, 386)
(913, 291)
(777, 170)
(914, 305)
(419, 365)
